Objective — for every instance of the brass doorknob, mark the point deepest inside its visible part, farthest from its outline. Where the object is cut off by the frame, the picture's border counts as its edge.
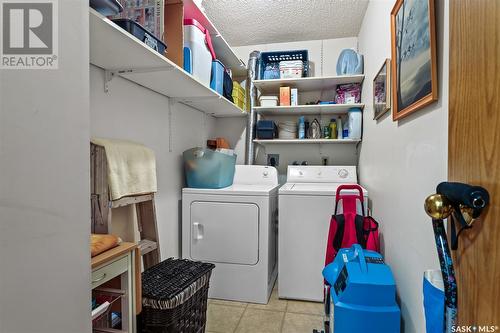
(438, 207)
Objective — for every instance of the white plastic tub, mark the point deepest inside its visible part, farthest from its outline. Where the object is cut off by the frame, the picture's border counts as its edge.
(268, 100)
(197, 39)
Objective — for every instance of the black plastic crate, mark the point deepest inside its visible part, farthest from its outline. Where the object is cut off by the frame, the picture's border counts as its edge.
(142, 34)
(272, 59)
(106, 7)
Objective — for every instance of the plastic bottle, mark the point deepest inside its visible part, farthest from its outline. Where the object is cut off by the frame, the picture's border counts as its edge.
(302, 128)
(345, 129)
(326, 132)
(333, 129)
(340, 129)
(355, 118)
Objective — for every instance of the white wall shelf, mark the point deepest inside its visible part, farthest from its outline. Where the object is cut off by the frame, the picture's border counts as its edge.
(306, 141)
(224, 52)
(301, 110)
(119, 53)
(306, 83)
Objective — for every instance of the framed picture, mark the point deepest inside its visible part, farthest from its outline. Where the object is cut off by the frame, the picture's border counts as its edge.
(414, 72)
(382, 90)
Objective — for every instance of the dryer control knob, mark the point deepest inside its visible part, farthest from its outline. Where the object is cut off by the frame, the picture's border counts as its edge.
(265, 173)
(343, 173)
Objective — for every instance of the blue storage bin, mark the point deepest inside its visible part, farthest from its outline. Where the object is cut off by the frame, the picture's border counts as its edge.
(206, 168)
(217, 80)
(266, 129)
(269, 63)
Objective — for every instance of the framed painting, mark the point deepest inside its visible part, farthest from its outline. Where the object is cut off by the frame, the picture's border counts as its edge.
(413, 48)
(382, 90)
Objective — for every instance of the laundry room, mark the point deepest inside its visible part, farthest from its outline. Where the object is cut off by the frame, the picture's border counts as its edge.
(190, 166)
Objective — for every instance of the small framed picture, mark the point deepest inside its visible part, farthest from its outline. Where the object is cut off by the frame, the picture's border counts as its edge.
(382, 90)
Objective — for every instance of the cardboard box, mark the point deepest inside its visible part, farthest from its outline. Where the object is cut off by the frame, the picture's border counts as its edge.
(174, 31)
(285, 96)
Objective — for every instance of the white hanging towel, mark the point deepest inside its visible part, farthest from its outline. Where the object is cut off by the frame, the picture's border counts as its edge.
(131, 167)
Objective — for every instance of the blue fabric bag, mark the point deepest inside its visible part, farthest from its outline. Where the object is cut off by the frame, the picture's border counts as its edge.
(434, 301)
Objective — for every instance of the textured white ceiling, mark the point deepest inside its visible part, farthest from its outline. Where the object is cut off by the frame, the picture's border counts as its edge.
(249, 22)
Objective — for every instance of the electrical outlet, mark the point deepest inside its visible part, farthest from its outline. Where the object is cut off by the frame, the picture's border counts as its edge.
(273, 160)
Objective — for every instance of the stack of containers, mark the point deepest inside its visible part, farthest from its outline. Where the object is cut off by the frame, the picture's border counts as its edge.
(287, 130)
(239, 95)
(199, 51)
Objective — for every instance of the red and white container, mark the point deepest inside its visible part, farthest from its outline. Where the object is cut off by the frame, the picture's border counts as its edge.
(198, 40)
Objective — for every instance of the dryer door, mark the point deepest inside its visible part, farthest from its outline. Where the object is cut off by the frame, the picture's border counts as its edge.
(225, 232)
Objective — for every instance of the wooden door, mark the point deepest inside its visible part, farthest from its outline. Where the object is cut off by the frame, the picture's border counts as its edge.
(474, 150)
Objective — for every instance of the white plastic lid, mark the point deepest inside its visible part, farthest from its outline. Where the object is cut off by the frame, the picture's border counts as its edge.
(268, 98)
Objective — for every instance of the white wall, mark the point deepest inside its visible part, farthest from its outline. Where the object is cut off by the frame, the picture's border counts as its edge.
(402, 162)
(135, 113)
(323, 55)
(44, 188)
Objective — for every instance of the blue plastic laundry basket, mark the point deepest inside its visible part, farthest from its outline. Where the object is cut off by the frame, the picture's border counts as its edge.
(206, 168)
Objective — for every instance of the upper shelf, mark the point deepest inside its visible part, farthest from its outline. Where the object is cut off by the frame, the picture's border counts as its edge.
(224, 52)
(115, 50)
(306, 83)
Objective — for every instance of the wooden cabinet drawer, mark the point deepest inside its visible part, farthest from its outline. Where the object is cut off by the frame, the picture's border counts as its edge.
(106, 273)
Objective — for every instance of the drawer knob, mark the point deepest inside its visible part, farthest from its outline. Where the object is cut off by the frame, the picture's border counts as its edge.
(99, 278)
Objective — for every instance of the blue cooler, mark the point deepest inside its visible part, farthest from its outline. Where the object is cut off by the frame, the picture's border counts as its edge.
(362, 293)
(217, 80)
(206, 168)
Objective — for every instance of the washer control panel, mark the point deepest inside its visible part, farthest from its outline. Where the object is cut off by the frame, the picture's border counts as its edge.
(321, 174)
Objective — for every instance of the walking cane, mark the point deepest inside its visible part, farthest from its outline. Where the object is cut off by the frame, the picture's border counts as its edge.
(464, 203)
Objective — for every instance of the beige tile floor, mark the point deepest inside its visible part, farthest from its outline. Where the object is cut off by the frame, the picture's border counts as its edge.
(278, 316)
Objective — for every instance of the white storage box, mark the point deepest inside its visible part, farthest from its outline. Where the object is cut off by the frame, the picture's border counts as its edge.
(291, 69)
(197, 39)
(268, 100)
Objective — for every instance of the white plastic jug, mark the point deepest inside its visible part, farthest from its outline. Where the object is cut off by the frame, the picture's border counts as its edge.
(197, 39)
(355, 119)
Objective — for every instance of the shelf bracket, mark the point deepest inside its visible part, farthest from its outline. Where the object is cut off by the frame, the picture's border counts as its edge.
(108, 77)
(171, 104)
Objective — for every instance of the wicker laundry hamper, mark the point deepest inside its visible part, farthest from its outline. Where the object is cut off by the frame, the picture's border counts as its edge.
(174, 297)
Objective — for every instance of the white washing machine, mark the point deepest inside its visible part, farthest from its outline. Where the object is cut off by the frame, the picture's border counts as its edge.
(306, 204)
(236, 229)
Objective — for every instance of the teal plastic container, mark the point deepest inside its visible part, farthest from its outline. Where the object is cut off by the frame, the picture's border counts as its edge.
(206, 168)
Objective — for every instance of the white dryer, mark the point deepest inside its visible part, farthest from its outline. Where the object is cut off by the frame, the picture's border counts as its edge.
(236, 229)
(306, 204)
